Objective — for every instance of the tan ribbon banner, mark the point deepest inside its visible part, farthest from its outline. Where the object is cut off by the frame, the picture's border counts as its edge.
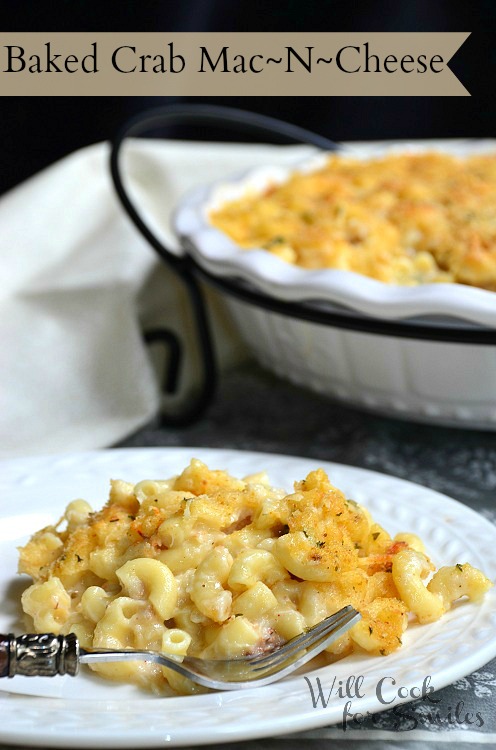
(230, 64)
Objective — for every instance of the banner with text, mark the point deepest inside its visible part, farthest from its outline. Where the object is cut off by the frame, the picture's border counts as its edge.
(229, 64)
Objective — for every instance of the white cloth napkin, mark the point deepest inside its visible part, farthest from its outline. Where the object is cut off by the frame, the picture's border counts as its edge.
(79, 284)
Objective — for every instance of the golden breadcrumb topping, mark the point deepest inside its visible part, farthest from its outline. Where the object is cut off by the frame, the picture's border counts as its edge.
(205, 564)
(402, 219)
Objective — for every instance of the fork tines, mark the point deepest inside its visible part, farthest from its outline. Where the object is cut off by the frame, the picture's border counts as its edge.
(325, 629)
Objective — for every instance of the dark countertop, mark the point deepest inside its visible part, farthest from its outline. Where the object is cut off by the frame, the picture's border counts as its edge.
(255, 411)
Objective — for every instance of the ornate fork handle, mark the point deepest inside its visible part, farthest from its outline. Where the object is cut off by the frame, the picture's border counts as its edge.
(34, 655)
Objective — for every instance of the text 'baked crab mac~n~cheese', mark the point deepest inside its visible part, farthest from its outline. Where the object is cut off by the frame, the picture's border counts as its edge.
(212, 566)
(402, 219)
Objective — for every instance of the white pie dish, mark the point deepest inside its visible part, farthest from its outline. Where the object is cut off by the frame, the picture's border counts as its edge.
(442, 382)
(219, 255)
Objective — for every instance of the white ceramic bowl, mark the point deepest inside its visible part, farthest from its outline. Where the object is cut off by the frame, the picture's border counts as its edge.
(441, 383)
(438, 382)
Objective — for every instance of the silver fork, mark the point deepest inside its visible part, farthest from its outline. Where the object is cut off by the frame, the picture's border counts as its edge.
(49, 655)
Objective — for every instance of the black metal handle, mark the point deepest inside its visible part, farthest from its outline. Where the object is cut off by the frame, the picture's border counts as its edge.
(199, 115)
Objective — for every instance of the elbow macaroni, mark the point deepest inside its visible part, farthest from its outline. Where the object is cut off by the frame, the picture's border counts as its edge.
(212, 566)
(403, 219)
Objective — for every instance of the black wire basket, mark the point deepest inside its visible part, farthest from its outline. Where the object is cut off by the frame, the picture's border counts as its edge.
(193, 276)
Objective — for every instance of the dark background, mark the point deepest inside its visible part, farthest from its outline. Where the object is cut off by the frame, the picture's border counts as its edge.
(35, 131)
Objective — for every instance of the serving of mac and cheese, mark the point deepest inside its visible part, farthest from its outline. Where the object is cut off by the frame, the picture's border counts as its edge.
(209, 565)
(403, 219)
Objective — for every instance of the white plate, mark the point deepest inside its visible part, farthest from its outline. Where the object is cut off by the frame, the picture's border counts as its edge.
(94, 713)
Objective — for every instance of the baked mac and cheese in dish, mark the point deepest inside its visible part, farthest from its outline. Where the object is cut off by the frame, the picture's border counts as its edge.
(402, 219)
(213, 566)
